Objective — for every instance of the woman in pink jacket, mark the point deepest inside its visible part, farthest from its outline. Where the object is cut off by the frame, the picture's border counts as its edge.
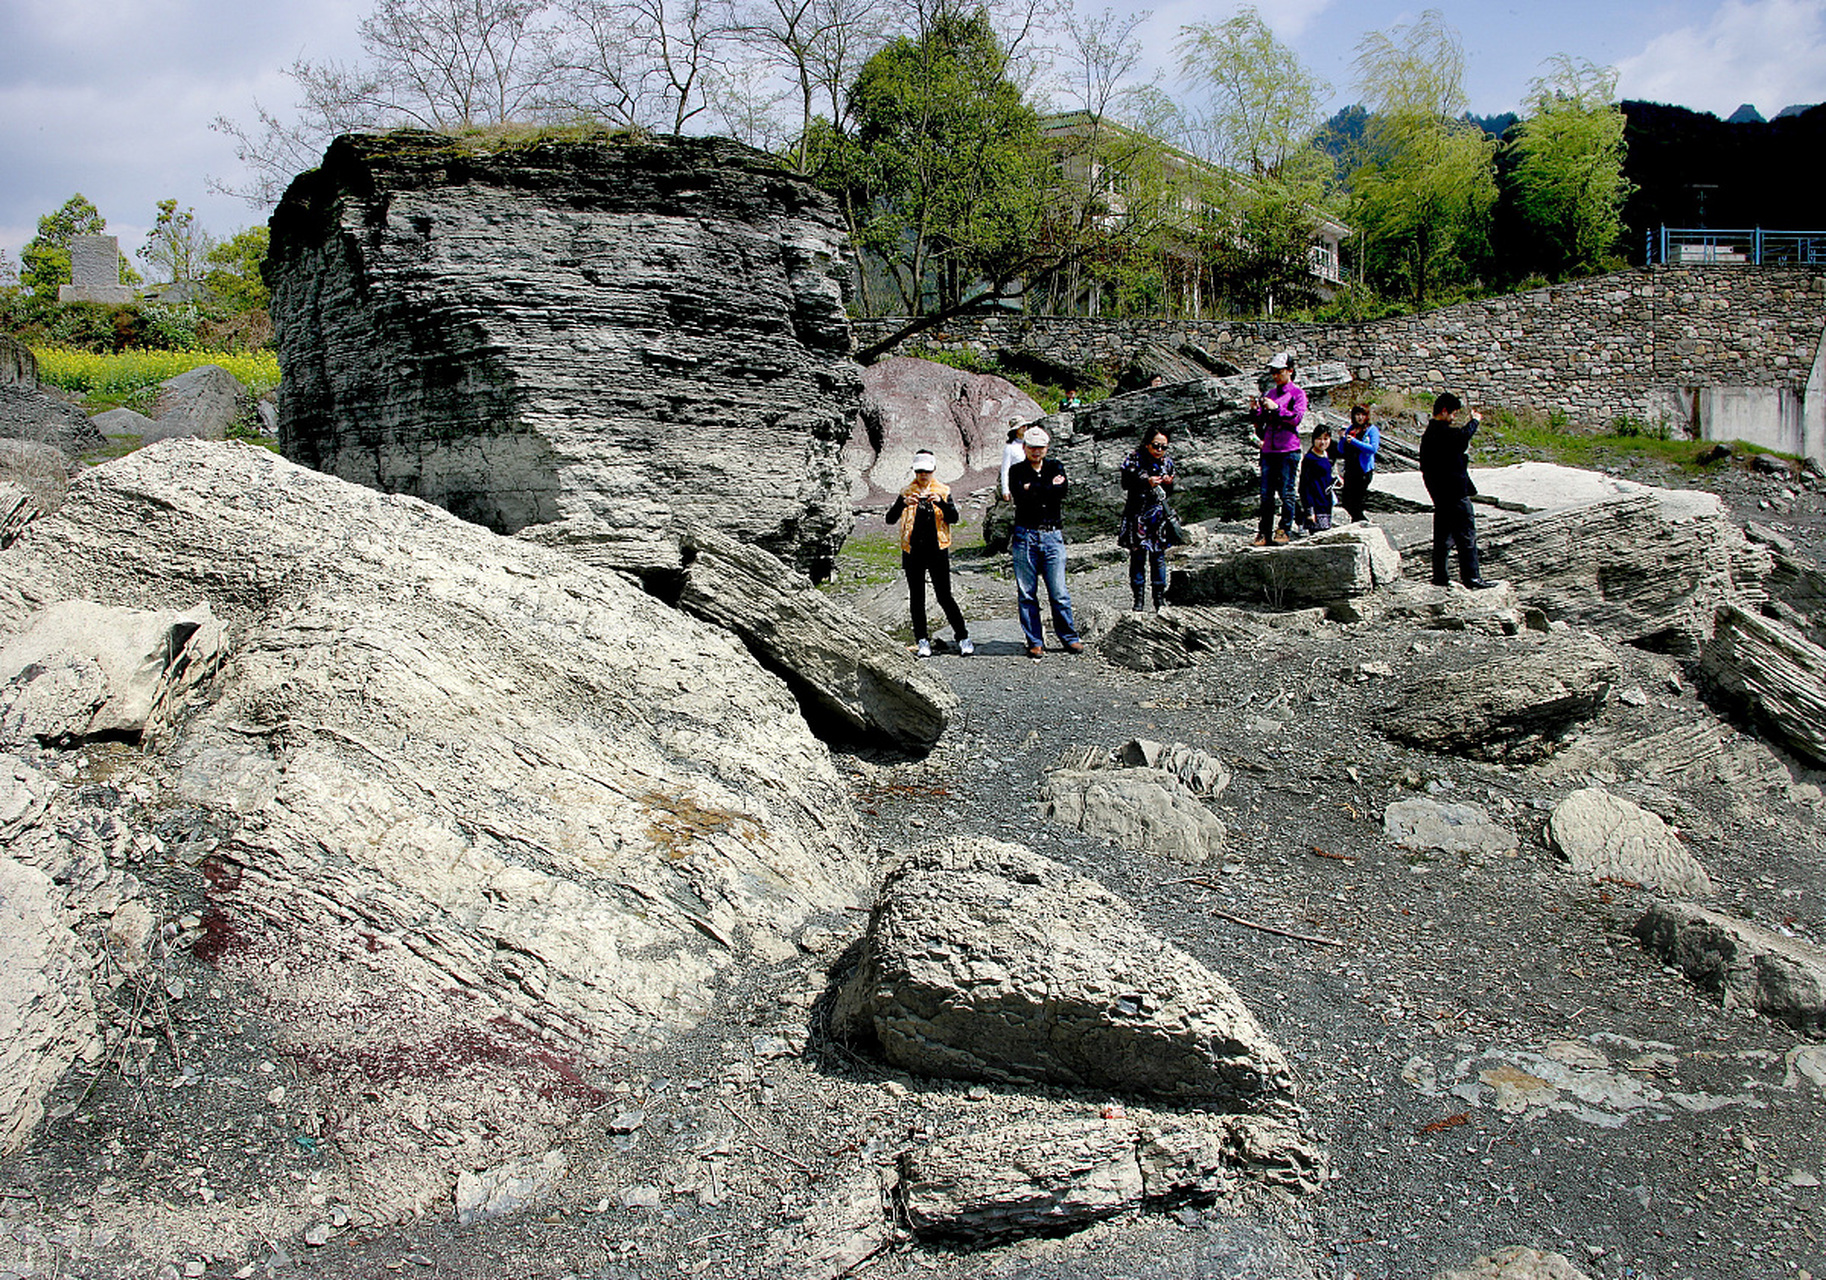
(1277, 414)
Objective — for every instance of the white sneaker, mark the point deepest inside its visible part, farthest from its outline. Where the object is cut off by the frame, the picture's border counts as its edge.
(923, 649)
(966, 646)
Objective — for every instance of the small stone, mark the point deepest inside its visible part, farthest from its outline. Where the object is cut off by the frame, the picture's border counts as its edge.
(643, 1197)
(339, 1216)
(195, 1268)
(1633, 697)
(276, 1096)
(317, 1234)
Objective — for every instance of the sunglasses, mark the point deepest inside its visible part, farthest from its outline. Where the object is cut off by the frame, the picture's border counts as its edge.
(1159, 446)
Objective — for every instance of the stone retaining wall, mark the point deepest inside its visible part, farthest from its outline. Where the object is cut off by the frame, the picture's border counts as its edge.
(1644, 342)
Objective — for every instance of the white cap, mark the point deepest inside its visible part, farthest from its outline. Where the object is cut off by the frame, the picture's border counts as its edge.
(1037, 437)
(924, 461)
(1282, 360)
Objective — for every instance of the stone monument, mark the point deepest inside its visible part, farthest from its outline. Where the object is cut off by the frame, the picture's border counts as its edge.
(95, 272)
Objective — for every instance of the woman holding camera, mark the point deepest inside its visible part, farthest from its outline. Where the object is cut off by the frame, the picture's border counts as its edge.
(926, 514)
(1147, 479)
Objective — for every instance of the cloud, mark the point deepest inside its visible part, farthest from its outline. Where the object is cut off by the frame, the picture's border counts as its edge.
(1769, 52)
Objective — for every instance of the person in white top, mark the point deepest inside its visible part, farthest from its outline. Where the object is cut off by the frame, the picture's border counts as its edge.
(1012, 453)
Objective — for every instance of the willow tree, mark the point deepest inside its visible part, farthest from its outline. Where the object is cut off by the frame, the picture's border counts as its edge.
(1257, 109)
(1422, 201)
(1569, 179)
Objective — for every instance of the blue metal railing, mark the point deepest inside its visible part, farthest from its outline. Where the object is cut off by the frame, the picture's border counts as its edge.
(1755, 247)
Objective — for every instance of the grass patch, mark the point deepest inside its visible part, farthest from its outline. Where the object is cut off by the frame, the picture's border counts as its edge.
(868, 559)
(131, 378)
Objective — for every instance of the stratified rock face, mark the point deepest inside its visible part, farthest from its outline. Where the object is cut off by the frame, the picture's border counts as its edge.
(589, 338)
(984, 961)
(1773, 674)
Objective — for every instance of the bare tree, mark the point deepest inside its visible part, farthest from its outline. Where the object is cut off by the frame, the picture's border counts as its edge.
(651, 64)
(440, 64)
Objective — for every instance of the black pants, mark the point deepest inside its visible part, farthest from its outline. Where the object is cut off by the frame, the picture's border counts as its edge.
(1455, 524)
(1354, 491)
(937, 563)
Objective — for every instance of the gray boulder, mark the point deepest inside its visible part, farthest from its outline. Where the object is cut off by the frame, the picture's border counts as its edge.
(1175, 638)
(1767, 671)
(200, 404)
(1743, 964)
(910, 404)
(1608, 838)
(534, 785)
(984, 961)
(1143, 809)
(1514, 702)
(1038, 1179)
(116, 423)
(1420, 823)
(26, 413)
(1327, 567)
(852, 680)
(586, 340)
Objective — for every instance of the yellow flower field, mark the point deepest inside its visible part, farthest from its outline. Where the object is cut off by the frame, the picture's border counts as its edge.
(89, 373)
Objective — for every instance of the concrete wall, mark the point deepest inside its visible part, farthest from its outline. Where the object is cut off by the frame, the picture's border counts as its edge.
(1653, 343)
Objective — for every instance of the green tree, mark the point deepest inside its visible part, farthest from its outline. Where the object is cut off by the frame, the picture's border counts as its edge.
(234, 268)
(45, 261)
(1569, 179)
(1260, 111)
(1422, 202)
(948, 179)
(176, 246)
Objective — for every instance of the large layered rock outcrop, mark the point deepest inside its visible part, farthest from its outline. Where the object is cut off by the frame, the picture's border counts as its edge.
(583, 340)
(518, 777)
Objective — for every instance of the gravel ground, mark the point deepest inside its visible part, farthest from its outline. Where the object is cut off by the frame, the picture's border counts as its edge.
(1487, 1055)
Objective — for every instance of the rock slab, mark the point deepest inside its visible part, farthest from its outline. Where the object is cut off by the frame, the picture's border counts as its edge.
(1606, 837)
(1781, 977)
(1512, 703)
(1420, 823)
(984, 961)
(854, 681)
(1773, 674)
(1142, 809)
(1327, 567)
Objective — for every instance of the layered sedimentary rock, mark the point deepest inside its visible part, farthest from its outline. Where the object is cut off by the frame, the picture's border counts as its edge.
(517, 777)
(582, 340)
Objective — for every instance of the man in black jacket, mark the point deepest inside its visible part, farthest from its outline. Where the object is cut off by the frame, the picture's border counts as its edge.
(1447, 473)
(1038, 545)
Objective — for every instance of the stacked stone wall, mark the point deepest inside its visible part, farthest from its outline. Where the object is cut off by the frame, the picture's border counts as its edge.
(1639, 342)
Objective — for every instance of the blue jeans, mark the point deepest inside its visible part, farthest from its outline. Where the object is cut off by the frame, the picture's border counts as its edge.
(1040, 554)
(1280, 472)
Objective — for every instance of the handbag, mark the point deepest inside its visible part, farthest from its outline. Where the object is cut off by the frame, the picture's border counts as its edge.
(1173, 532)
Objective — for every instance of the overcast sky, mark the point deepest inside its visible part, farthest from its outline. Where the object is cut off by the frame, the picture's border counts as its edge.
(114, 98)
